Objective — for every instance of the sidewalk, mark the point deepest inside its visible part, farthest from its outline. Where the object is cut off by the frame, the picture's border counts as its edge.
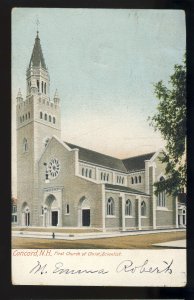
(88, 235)
(174, 244)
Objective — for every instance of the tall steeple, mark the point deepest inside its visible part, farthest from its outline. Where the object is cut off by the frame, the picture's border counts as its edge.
(38, 119)
(37, 75)
(37, 58)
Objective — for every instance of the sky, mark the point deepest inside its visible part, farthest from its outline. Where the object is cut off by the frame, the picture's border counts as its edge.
(104, 63)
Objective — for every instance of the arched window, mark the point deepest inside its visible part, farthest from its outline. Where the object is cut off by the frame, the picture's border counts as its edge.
(28, 115)
(25, 145)
(110, 207)
(132, 180)
(82, 171)
(45, 117)
(128, 208)
(101, 176)
(54, 120)
(67, 209)
(122, 180)
(161, 200)
(23, 118)
(107, 177)
(42, 86)
(45, 88)
(49, 118)
(135, 179)
(38, 86)
(40, 115)
(118, 179)
(90, 173)
(20, 119)
(143, 208)
(139, 179)
(104, 177)
(86, 172)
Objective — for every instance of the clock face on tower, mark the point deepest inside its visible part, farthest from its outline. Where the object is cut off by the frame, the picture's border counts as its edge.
(53, 168)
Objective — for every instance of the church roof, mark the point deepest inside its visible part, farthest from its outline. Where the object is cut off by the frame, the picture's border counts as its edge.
(126, 165)
(94, 157)
(124, 189)
(137, 162)
(37, 58)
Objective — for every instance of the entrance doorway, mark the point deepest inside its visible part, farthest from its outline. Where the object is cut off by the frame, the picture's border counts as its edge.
(54, 215)
(51, 211)
(85, 217)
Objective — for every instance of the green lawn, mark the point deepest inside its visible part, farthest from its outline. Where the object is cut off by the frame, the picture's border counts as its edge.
(125, 242)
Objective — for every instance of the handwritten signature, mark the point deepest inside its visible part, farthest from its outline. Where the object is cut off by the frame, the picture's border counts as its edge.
(60, 269)
(126, 266)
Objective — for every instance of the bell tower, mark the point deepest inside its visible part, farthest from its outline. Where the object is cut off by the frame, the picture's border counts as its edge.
(38, 119)
(37, 76)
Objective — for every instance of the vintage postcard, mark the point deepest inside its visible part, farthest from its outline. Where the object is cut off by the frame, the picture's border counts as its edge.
(94, 196)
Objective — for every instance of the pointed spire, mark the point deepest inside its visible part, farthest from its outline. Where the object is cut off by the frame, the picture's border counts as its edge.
(56, 97)
(37, 58)
(19, 94)
(19, 97)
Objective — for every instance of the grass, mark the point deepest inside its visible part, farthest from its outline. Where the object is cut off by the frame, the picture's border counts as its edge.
(125, 242)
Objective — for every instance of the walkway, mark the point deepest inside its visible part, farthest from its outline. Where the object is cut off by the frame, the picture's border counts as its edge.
(87, 235)
(174, 244)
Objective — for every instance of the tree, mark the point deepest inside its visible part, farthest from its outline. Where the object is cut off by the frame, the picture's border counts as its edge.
(170, 120)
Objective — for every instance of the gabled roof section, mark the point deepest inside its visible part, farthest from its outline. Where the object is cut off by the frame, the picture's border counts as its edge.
(59, 141)
(100, 159)
(125, 189)
(137, 162)
(37, 59)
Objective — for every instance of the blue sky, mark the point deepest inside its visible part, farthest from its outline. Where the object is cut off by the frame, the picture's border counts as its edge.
(104, 64)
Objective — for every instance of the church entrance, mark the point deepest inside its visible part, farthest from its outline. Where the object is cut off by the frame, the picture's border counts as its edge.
(51, 211)
(54, 218)
(85, 217)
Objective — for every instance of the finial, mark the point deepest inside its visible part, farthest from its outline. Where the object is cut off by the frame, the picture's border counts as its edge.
(19, 97)
(37, 24)
(56, 96)
(19, 94)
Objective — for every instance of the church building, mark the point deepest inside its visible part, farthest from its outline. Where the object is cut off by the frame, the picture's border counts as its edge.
(65, 185)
